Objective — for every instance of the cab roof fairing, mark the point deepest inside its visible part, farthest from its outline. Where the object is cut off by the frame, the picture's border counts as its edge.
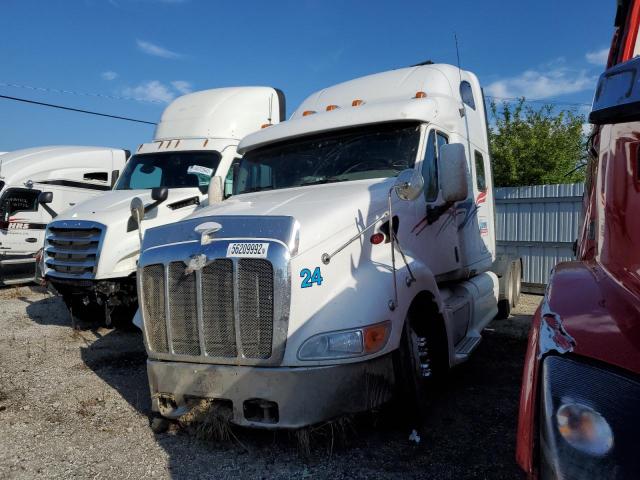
(230, 113)
(386, 97)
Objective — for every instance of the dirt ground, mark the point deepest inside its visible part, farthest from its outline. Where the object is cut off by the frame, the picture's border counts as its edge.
(76, 404)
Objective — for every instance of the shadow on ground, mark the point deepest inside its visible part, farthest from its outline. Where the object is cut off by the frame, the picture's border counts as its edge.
(471, 426)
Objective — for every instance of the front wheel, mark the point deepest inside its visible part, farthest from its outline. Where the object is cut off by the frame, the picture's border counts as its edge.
(419, 363)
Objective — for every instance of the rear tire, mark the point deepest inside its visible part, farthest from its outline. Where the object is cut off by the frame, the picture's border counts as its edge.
(504, 305)
(517, 283)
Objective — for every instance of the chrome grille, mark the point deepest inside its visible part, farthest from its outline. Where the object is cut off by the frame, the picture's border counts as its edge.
(73, 251)
(183, 310)
(217, 308)
(236, 309)
(153, 304)
(255, 302)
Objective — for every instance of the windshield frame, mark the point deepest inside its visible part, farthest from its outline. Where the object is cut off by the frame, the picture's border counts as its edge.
(355, 132)
(126, 171)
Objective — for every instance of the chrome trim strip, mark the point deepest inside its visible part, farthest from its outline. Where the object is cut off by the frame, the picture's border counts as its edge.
(199, 312)
(167, 315)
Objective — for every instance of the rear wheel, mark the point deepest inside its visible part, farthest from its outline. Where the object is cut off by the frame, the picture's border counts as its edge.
(517, 283)
(504, 305)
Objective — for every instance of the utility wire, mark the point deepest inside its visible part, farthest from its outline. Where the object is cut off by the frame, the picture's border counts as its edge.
(550, 102)
(62, 107)
(74, 92)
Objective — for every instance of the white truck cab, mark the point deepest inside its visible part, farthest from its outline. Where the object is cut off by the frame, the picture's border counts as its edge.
(91, 251)
(36, 185)
(354, 256)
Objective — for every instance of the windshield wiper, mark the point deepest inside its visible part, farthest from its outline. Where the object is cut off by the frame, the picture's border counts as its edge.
(323, 180)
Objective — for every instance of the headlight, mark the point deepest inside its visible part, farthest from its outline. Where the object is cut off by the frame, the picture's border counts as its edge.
(589, 421)
(584, 429)
(346, 343)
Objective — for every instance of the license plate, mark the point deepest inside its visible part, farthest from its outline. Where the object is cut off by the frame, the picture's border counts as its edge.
(247, 250)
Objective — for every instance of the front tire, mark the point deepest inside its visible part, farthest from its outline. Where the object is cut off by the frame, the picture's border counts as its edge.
(419, 363)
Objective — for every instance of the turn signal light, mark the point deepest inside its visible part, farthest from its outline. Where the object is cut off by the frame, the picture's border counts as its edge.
(356, 103)
(377, 238)
(375, 337)
(420, 95)
(331, 107)
(308, 112)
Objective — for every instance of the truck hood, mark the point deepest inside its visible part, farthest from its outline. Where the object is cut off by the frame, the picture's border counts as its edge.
(322, 211)
(596, 312)
(113, 206)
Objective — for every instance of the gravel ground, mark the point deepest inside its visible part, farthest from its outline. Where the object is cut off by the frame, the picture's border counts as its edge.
(75, 403)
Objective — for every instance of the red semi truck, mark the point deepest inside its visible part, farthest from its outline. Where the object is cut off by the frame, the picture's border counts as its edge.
(580, 398)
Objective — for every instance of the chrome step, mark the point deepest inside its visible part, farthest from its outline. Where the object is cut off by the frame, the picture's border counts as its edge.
(467, 345)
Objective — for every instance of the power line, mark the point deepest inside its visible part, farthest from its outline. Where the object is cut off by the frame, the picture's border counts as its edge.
(71, 109)
(75, 92)
(551, 102)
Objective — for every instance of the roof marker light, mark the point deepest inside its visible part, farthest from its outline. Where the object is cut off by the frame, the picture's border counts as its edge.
(308, 112)
(420, 94)
(331, 107)
(265, 125)
(356, 103)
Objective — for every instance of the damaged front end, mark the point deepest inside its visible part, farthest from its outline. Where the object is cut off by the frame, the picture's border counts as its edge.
(95, 300)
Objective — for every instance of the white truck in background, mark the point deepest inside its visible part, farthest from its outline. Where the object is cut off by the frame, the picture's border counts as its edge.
(295, 300)
(59, 177)
(91, 251)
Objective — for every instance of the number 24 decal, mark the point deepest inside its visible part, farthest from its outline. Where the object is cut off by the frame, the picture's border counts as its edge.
(308, 278)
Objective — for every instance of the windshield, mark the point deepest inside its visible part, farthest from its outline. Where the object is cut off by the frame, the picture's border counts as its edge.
(189, 169)
(354, 154)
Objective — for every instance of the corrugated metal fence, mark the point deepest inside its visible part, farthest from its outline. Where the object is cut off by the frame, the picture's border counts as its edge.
(538, 223)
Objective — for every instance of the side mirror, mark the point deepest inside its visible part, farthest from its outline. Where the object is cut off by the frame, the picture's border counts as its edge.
(159, 194)
(409, 184)
(45, 197)
(137, 209)
(617, 98)
(216, 190)
(453, 172)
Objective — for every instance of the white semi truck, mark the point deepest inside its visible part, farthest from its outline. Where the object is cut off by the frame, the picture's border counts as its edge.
(91, 251)
(36, 185)
(354, 257)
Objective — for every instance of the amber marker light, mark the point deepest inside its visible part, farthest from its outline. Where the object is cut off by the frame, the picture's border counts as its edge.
(308, 112)
(420, 94)
(265, 125)
(375, 337)
(331, 107)
(357, 102)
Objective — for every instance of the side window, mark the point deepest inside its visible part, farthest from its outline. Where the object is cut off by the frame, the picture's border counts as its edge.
(430, 169)
(228, 181)
(17, 200)
(481, 180)
(430, 165)
(146, 176)
(467, 94)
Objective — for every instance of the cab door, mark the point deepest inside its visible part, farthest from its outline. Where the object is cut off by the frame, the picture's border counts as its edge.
(435, 233)
(22, 221)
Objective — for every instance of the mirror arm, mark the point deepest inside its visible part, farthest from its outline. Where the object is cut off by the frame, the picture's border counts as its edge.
(326, 257)
(49, 210)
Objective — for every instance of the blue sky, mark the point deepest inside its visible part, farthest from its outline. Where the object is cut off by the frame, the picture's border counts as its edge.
(149, 51)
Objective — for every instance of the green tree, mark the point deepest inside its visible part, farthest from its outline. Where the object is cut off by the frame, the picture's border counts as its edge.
(536, 146)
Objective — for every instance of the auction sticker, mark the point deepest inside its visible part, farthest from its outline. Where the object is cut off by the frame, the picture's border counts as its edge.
(247, 249)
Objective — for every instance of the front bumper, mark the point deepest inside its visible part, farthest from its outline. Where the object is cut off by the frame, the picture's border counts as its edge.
(265, 397)
(16, 269)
